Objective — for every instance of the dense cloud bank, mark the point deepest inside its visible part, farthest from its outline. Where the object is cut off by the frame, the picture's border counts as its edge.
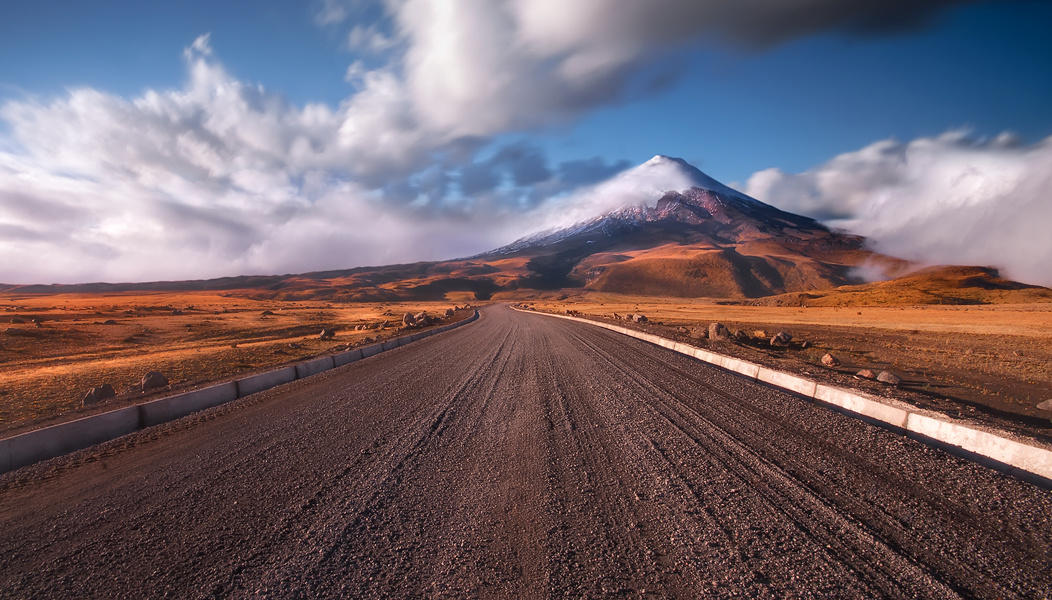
(953, 199)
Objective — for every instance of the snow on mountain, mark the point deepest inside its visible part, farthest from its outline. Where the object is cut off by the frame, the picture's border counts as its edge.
(661, 188)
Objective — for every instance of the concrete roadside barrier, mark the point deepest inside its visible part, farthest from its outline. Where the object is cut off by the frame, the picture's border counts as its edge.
(314, 366)
(742, 367)
(787, 381)
(264, 381)
(346, 358)
(59, 439)
(884, 410)
(180, 405)
(924, 425)
(985, 443)
(33, 446)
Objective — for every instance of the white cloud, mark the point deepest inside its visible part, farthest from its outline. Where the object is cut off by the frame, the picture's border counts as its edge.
(369, 39)
(202, 45)
(215, 178)
(642, 185)
(951, 199)
(221, 176)
(355, 72)
(475, 67)
(331, 12)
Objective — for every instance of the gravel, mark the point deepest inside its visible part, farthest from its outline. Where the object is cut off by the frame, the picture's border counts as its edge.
(521, 457)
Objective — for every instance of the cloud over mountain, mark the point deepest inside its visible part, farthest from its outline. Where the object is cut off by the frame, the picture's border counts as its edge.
(954, 198)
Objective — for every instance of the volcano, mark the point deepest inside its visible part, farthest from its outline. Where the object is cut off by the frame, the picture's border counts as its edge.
(704, 239)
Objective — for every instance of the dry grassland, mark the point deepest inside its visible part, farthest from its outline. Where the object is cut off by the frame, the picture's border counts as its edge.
(85, 340)
(983, 361)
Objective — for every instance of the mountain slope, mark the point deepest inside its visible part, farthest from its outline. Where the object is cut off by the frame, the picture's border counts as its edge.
(945, 285)
(705, 240)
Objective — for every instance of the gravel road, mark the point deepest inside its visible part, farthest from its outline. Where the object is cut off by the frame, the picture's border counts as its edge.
(521, 457)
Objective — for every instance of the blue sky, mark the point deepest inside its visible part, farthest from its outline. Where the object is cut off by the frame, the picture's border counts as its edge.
(273, 129)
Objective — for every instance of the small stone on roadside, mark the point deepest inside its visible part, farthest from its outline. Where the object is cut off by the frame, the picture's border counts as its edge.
(718, 331)
(153, 380)
(98, 394)
(866, 374)
(830, 361)
(889, 378)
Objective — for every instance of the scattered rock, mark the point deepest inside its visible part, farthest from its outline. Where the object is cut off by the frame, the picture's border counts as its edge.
(616, 316)
(327, 334)
(17, 320)
(759, 334)
(781, 339)
(422, 319)
(176, 311)
(830, 361)
(109, 322)
(889, 378)
(267, 313)
(699, 333)
(638, 318)
(449, 312)
(1046, 405)
(153, 380)
(718, 331)
(804, 345)
(98, 394)
(408, 320)
(866, 374)
(294, 346)
(740, 335)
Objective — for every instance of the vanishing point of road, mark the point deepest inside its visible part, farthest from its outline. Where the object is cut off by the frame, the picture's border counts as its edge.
(521, 457)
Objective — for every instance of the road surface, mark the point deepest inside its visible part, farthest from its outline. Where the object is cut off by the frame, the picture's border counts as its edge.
(521, 457)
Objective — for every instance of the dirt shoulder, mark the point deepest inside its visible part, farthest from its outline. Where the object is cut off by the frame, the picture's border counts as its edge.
(989, 364)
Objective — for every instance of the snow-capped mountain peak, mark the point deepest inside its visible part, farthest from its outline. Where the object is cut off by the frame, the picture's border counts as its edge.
(663, 188)
(698, 179)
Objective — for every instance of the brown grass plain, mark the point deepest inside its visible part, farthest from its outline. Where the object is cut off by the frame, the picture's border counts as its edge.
(86, 340)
